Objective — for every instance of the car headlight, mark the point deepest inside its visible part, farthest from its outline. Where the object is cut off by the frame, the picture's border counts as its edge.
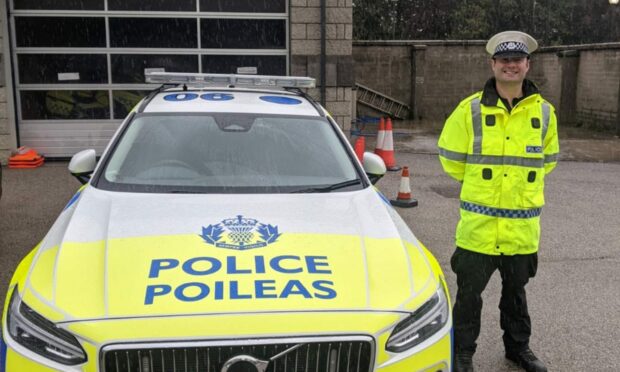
(34, 332)
(421, 324)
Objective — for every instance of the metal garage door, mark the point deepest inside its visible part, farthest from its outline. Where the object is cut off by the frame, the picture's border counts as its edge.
(79, 64)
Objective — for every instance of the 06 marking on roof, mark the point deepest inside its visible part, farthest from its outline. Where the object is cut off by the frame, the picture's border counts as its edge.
(180, 97)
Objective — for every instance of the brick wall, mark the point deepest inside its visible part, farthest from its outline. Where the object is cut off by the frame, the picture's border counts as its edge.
(306, 50)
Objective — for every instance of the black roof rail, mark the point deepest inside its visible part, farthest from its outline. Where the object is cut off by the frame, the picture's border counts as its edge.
(305, 95)
(152, 95)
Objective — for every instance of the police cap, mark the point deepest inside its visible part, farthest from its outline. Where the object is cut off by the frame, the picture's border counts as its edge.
(511, 44)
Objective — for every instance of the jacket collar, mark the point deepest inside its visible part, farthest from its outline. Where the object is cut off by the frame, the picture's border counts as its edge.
(490, 96)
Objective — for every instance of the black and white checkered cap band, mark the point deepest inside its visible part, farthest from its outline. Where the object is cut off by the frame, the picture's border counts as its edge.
(511, 47)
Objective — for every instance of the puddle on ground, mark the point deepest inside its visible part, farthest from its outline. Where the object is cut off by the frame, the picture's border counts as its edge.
(450, 191)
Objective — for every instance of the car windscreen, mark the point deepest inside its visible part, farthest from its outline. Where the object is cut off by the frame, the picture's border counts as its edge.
(229, 153)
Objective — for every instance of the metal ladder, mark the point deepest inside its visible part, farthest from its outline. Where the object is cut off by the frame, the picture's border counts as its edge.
(381, 102)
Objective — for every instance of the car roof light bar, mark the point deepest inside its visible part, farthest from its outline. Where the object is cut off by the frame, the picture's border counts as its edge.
(257, 81)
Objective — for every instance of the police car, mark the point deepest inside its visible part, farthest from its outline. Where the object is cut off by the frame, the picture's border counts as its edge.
(227, 227)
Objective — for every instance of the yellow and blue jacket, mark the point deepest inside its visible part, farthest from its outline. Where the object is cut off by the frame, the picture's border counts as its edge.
(501, 156)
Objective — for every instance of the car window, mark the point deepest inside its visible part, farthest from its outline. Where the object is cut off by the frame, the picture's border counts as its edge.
(227, 153)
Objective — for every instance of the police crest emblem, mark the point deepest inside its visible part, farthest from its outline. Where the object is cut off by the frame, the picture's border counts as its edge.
(240, 233)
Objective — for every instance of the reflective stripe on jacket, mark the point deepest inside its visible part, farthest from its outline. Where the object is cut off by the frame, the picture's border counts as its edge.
(501, 157)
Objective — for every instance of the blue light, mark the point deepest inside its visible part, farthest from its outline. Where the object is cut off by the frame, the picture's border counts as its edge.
(281, 100)
(217, 97)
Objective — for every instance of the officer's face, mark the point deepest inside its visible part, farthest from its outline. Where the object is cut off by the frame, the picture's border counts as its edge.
(510, 70)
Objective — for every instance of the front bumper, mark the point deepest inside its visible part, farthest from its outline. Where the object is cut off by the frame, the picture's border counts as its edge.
(432, 355)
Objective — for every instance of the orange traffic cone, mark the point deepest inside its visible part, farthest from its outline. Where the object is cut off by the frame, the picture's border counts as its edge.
(360, 147)
(25, 157)
(403, 199)
(388, 148)
(380, 138)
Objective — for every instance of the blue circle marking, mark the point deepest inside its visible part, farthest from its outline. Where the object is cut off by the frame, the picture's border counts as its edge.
(180, 97)
(217, 97)
(281, 100)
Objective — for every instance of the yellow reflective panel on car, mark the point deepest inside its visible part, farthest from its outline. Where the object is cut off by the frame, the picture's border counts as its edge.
(93, 353)
(17, 362)
(19, 278)
(80, 279)
(183, 275)
(424, 360)
(422, 270)
(390, 285)
(180, 274)
(42, 274)
(382, 355)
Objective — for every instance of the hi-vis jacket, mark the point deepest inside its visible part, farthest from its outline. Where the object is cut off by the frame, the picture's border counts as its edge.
(501, 156)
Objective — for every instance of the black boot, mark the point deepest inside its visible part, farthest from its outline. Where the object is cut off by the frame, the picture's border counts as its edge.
(526, 360)
(463, 361)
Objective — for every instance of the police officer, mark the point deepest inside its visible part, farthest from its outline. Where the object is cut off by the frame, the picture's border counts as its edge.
(499, 143)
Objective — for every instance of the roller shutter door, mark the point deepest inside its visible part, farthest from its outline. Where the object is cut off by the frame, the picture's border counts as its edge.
(79, 64)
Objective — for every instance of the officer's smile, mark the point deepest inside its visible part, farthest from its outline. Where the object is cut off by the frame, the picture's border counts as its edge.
(511, 73)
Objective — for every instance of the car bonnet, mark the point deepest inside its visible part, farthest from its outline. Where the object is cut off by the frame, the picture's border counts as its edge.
(113, 255)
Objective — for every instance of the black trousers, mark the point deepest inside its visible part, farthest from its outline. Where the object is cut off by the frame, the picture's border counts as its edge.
(473, 271)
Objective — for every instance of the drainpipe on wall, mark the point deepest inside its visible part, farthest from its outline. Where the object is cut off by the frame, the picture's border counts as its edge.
(614, 3)
(618, 110)
(8, 77)
(323, 51)
(569, 67)
(618, 106)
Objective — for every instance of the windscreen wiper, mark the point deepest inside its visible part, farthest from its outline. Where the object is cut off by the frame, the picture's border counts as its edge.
(183, 192)
(330, 188)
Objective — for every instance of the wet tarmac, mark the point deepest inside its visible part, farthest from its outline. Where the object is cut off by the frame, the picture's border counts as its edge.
(573, 300)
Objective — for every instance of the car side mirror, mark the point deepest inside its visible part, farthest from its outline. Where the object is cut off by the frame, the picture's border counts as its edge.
(82, 165)
(374, 167)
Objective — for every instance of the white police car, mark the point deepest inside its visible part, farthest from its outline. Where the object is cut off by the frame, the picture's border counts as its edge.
(228, 227)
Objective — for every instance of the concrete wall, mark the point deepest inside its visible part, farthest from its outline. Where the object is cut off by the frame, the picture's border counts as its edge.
(597, 96)
(432, 76)
(6, 139)
(386, 69)
(546, 72)
(582, 82)
(451, 73)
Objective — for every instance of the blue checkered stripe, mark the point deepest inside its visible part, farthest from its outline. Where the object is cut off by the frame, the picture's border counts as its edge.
(500, 212)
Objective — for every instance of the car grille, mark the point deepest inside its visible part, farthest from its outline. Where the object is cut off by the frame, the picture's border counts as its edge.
(288, 355)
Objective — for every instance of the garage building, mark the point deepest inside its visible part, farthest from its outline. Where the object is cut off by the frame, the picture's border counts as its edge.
(72, 69)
